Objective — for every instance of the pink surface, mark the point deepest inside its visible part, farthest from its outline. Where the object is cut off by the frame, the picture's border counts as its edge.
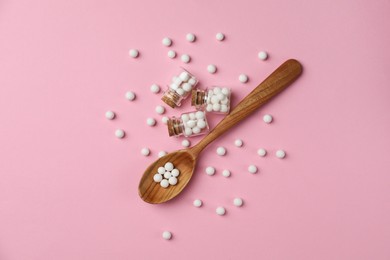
(68, 187)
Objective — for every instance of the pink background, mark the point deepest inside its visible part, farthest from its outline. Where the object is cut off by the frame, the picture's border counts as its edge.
(68, 186)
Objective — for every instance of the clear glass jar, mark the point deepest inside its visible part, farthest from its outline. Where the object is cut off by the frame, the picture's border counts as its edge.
(179, 88)
(188, 124)
(215, 99)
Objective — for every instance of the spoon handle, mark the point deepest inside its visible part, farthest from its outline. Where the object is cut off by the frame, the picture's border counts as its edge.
(281, 78)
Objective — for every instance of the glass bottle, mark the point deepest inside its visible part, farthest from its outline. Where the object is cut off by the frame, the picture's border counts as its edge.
(188, 124)
(215, 99)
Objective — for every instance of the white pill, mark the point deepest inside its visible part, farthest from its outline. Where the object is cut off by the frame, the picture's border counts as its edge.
(221, 151)
(267, 118)
(220, 36)
(217, 90)
(164, 119)
(262, 152)
(201, 123)
(133, 53)
(160, 110)
(190, 37)
(216, 107)
(211, 68)
(214, 99)
(252, 169)
(224, 101)
(185, 143)
(185, 58)
(167, 175)
(220, 96)
(197, 203)
(196, 130)
(226, 173)
(145, 151)
(199, 115)
(166, 41)
(167, 235)
(184, 76)
(191, 123)
(178, 81)
(173, 86)
(280, 154)
(110, 115)
(238, 202)
(172, 180)
(164, 183)
(210, 170)
(186, 87)
(180, 91)
(185, 117)
(168, 166)
(224, 108)
(161, 170)
(225, 91)
(243, 78)
(187, 131)
(209, 107)
(120, 133)
(155, 88)
(262, 55)
(192, 81)
(171, 54)
(220, 211)
(151, 121)
(175, 172)
(130, 95)
(238, 142)
(192, 116)
(157, 177)
(162, 153)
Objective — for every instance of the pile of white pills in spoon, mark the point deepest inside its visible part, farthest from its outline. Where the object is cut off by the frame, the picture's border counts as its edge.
(166, 175)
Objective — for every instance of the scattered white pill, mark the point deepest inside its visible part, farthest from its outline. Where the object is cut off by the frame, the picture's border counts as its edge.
(145, 151)
(164, 119)
(185, 58)
(110, 115)
(185, 143)
(172, 180)
(160, 110)
(238, 202)
(220, 211)
(243, 78)
(252, 169)
(167, 41)
(221, 151)
(226, 173)
(171, 54)
(161, 170)
(133, 53)
(262, 152)
(197, 203)
(157, 177)
(267, 118)
(155, 88)
(175, 172)
(151, 121)
(164, 183)
(238, 142)
(220, 36)
(280, 154)
(130, 95)
(162, 153)
(211, 68)
(210, 170)
(190, 37)
(262, 55)
(168, 166)
(167, 235)
(119, 133)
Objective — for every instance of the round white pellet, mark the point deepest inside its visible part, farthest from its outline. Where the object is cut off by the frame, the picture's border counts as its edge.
(171, 54)
(226, 173)
(252, 169)
(167, 235)
(155, 88)
(187, 131)
(217, 90)
(221, 151)
(262, 55)
(225, 91)
(220, 96)
(167, 41)
(220, 211)
(161, 170)
(191, 123)
(172, 180)
(262, 152)
(175, 172)
(160, 110)
(201, 123)
(243, 78)
(216, 107)
(162, 153)
(211, 68)
(151, 121)
(267, 118)
(168, 166)
(186, 87)
(185, 58)
(199, 115)
(280, 154)
(223, 108)
(119, 133)
(196, 130)
(238, 202)
(180, 91)
(185, 143)
(164, 183)
(178, 80)
(130, 95)
(192, 116)
(184, 76)
(214, 99)
(238, 142)
(192, 81)
(220, 36)
(210, 170)
(190, 37)
(133, 53)
(164, 119)
(110, 115)
(209, 107)
(197, 203)
(167, 175)
(157, 177)
(145, 151)
(185, 117)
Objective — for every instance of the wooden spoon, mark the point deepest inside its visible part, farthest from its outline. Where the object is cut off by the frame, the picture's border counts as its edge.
(185, 160)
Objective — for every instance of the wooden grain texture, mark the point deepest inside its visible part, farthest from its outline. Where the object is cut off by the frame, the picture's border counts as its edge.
(185, 160)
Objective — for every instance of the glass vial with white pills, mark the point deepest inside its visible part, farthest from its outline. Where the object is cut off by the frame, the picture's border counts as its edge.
(216, 100)
(188, 124)
(179, 88)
